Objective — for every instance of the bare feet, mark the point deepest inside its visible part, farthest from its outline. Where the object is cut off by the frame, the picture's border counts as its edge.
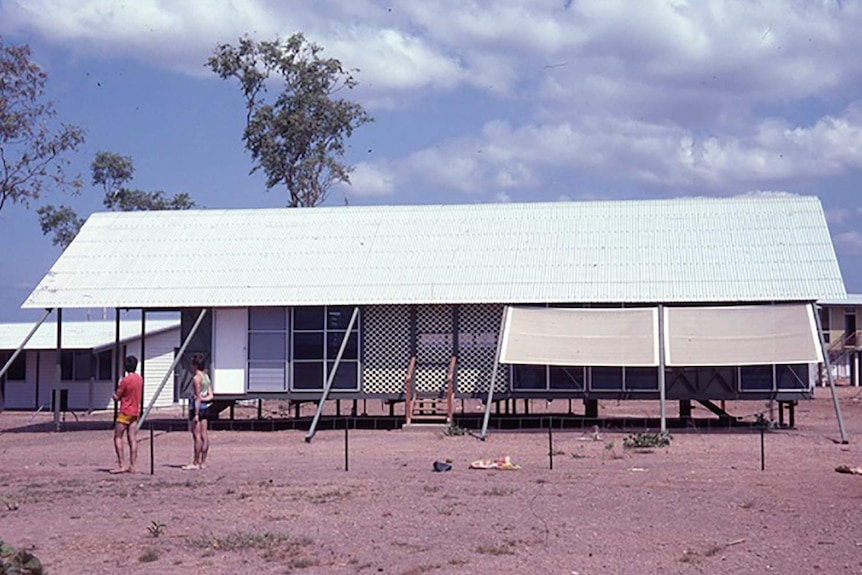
(189, 466)
(118, 470)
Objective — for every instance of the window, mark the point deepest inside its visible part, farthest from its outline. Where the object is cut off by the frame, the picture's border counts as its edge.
(641, 379)
(606, 379)
(105, 365)
(793, 376)
(267, 348)
(18, 370)
(566, 378)
(825, 323)
(318, 333)
(755, 378)
(529, 377)
(76, 365)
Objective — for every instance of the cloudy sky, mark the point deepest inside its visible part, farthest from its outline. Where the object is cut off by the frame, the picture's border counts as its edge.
(474, 101)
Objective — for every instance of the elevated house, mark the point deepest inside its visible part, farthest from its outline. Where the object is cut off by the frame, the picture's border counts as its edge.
(690, 299)
(83, 374)
(841, 322)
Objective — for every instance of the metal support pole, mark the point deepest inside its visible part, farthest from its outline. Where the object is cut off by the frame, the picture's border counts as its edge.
(118, 361)
(59, 370)
(331, 377)
(23, 343)
(828, 366)
(173, 366)
(661, 369)
(490, 399)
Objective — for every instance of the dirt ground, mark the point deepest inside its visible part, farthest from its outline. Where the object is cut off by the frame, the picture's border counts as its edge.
(369, 502)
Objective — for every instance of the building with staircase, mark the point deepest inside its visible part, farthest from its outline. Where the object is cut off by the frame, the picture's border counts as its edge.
(689, 299)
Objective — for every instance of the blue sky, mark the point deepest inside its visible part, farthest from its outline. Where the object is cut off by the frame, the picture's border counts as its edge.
(474, 101)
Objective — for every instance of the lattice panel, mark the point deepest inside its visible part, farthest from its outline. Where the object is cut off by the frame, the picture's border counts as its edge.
(385, 348)
(433, 346)
(478, 328)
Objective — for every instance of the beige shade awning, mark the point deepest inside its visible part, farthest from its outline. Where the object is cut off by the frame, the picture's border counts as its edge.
(576, 336)
(741, 335)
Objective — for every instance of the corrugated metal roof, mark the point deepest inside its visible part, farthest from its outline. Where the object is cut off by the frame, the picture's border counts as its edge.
(77, 334)
(678, 250)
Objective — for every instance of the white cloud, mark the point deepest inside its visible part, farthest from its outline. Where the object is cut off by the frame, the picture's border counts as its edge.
(848, 243)
(370, 181)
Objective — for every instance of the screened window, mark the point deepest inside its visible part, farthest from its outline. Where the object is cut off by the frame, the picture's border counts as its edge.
(606, 379)
(318, 333)
(755, 378)
(267, 348)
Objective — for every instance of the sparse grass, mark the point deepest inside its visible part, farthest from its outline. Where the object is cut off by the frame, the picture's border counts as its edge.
(431, 488)
(502, 549)
(149, 555)
(420, 569)
(448, 510)
(329, 496)
(239, 540)
(497, 492)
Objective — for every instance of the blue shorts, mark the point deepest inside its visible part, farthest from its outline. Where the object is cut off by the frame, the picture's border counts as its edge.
(204, 414)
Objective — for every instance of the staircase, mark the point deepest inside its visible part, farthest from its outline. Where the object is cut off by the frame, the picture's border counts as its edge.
(429, 408)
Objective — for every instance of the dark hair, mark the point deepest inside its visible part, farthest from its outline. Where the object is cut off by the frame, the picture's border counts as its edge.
(131, 363)
(198, 362)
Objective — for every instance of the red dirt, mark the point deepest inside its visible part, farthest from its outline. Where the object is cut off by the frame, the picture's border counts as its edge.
(271, 503)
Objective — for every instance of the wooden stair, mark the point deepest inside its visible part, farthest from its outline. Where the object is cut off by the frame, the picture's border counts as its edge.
(429, 408)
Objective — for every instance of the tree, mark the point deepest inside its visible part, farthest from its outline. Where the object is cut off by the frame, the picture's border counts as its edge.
(31, 151)
(297, 136)
(112, 172)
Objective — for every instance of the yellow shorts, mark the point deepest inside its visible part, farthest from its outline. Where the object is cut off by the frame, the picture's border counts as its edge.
(126, 419)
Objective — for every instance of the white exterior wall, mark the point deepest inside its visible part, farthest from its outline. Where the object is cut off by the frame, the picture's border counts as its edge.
(93, 395)
(22, 394)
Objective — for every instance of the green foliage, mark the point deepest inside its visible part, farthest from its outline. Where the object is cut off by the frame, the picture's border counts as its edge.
(647, 440)
(111, 171)
(32, 148)
(14, 562)
(62, 221)
(156, 529)
(297, 135)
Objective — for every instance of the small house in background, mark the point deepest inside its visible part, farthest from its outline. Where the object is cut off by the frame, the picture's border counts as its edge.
(841, 324)
(689, 299)
(87, 367)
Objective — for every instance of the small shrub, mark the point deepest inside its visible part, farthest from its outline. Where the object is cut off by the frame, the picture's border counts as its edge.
(647, 440)
(18, 562)
(453, 429)
(156, 529)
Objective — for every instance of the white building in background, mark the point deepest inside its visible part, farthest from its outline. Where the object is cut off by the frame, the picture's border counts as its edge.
(841, 324)
(87, 367)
